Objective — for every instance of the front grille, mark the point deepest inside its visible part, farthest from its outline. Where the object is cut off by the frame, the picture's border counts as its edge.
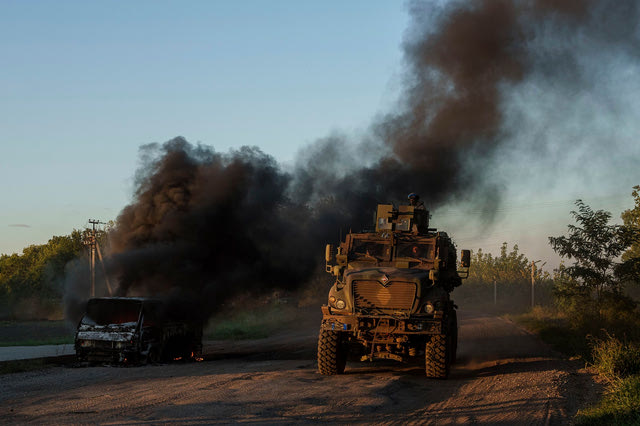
(103, 344)
(396, 296)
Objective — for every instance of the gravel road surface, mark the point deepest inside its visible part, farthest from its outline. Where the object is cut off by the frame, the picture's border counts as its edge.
(504, 375)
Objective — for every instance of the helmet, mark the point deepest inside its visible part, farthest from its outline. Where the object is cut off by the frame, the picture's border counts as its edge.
(413, 195)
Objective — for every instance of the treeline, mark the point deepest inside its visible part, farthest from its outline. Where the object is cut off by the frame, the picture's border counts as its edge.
(599, 273)
(594, 291)
(32, 283)
(503, 283)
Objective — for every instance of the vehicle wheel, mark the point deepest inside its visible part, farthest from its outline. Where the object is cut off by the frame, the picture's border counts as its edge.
(154, 356)
(332, 353)
(437, 358)
(453, 333)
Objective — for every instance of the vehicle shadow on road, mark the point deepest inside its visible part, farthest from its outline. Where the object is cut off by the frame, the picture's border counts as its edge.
(472, 369)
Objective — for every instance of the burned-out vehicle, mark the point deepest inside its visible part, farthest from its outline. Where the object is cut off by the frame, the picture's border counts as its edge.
(134, 330)
(391, 297)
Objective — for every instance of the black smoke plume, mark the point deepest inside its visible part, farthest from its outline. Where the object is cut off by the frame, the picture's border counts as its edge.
(204, 225)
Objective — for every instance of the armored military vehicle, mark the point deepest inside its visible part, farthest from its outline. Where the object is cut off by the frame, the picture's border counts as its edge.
(134, 330)
(391, 297)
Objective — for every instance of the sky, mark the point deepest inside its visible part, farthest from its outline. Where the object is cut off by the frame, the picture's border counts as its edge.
(84, 84)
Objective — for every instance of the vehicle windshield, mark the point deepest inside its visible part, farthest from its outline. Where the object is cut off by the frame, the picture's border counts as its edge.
(367, 248)
(116, 311)
(415, 250)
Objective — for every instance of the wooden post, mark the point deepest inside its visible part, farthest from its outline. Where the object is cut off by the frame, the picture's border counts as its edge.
(533, 283)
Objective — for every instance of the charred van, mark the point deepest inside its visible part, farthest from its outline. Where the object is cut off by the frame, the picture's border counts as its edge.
(391, 296)
(135, 329)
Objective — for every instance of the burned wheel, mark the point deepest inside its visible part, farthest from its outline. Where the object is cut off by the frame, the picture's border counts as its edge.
(154, 356)
(437, 357)
(332, 353)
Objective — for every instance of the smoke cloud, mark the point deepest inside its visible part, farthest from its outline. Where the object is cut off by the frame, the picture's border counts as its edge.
(204, 225)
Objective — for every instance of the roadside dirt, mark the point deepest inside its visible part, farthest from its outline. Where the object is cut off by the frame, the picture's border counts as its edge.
(504, 375)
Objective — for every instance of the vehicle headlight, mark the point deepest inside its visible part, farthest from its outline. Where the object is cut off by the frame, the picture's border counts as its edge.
(340, 304)
(429, 308)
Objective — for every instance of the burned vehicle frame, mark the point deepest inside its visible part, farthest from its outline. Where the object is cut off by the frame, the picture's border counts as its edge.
(130, 330)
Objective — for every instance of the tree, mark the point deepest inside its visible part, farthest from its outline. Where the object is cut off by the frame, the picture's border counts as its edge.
(503, 281)
(35, 276)
(510, 268)
(595, 246)
(631, 219)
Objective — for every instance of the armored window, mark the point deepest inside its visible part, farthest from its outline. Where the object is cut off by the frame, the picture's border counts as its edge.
(415, 250)
(371, 249)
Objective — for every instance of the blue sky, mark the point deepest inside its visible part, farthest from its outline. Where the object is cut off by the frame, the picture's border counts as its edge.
(84, 84)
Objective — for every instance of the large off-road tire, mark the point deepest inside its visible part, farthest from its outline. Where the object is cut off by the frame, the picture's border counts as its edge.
(453, 337)
(437, 357)
(332, 352)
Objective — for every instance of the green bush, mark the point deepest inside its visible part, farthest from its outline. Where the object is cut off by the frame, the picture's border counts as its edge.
(598, 315)
(621, 406)
(615, 358)
(553, 327)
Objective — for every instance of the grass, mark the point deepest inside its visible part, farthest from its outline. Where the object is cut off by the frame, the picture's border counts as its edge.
(554, 329)
(620, 406)
(616, 360)
(619, 362)
(34, 333)
(257, 323)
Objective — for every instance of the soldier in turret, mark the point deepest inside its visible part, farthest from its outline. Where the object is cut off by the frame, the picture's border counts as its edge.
(414, 200)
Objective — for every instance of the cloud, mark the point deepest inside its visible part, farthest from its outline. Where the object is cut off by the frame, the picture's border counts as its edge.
(19, 225)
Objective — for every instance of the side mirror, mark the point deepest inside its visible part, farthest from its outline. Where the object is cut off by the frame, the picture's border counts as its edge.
(330, 254)
(465, 258)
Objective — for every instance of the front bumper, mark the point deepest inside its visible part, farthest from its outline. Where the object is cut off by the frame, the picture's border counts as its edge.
(106, 351)
(382, 324)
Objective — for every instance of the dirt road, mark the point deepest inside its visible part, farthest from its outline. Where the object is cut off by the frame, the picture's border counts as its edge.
(503, 376)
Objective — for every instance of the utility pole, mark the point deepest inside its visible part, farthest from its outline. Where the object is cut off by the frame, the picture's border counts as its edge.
(91, 242)
(495, 292)
(533, 281)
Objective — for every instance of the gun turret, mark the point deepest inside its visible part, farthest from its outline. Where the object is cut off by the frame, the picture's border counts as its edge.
(402, 219)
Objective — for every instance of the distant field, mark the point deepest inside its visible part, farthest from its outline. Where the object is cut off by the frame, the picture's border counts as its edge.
(31, 333)
(258, 323)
